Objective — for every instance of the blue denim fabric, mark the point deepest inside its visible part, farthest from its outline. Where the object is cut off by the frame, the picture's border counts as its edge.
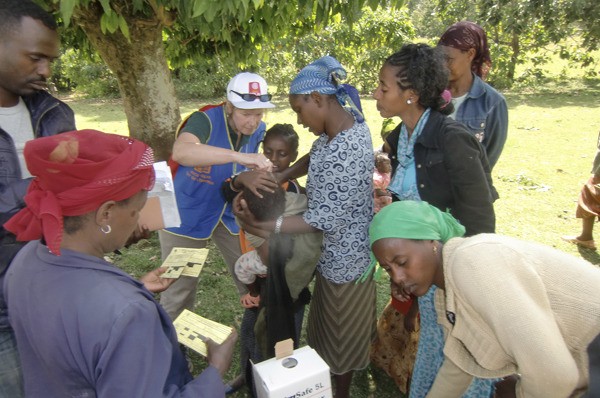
(485, 114)
(11, 382)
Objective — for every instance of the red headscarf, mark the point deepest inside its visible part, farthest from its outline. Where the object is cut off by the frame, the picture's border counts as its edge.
(74, 173)
(465, 35)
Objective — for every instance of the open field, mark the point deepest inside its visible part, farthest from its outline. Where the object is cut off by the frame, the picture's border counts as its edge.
(552, 141)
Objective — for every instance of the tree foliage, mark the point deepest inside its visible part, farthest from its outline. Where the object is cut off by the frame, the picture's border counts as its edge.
(140, 39)
(518, 28)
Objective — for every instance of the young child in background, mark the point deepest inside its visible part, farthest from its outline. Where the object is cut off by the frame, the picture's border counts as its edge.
(381, 180)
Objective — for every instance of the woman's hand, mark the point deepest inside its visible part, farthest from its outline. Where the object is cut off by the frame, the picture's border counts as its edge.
(220, 355)
(254, 161)
(153, 281)
(256, 180)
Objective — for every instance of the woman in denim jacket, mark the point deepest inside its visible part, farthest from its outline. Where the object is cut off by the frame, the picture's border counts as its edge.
(476, 104)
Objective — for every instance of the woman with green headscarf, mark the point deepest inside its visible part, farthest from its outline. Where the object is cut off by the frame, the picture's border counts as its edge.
(508, 307)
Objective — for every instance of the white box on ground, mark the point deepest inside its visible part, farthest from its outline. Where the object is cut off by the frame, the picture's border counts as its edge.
(302, 374)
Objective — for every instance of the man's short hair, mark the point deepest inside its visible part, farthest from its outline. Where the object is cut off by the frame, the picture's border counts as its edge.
(13, 11)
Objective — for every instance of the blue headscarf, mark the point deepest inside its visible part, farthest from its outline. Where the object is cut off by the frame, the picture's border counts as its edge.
(324, 76)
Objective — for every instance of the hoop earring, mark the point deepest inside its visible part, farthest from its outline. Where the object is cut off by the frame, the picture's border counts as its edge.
(106, 229)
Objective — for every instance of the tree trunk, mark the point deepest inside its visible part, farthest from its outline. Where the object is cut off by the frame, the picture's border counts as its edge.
(144, 78)
(514, 57)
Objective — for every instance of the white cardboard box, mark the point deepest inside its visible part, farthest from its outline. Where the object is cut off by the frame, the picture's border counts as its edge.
(301, 375)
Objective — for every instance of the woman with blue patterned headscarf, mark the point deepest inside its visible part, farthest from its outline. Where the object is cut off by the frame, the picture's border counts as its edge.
(339, 187)
(324, 76)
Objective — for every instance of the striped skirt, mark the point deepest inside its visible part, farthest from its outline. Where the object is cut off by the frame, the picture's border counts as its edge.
(342, 323)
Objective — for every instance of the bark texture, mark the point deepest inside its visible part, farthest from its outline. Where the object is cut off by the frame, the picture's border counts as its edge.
(144, 78)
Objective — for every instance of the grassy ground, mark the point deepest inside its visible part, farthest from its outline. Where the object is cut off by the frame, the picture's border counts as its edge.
(552, 141)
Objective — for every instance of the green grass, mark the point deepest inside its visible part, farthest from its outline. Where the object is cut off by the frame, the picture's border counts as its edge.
(552, 141)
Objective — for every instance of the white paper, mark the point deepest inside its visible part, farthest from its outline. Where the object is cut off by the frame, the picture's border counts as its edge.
(165, 192)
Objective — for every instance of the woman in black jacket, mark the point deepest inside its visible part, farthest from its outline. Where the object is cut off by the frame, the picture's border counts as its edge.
(433, 157)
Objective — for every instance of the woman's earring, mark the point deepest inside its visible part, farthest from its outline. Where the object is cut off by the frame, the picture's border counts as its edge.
(409, 101)
(434, 249)
(106, 229)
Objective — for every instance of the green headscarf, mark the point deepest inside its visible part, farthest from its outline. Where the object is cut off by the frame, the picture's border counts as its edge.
(411, 220)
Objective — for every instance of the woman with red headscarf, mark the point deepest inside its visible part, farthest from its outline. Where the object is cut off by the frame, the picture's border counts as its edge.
(476, 104)
(83, 326)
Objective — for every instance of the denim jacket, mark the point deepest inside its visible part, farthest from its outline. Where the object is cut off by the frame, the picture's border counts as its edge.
(49, 116)
(484, 112)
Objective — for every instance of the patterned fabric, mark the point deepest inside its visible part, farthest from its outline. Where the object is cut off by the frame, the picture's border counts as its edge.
(395, 349)
(430, 355)
(404, 181)
(248, 266)
(340, 201)
(465, 35)
(324, 76)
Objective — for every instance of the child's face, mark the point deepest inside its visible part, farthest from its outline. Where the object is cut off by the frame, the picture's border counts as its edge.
(308, 112)
(278, 151)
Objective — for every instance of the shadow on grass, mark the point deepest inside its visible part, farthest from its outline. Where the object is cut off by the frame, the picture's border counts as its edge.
(589, 255)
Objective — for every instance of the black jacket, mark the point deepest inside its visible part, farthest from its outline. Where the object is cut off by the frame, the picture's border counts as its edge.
(453, 172)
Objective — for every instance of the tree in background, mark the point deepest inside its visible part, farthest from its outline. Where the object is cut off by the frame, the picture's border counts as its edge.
(361, 47)
(139, 39)
(517, 29)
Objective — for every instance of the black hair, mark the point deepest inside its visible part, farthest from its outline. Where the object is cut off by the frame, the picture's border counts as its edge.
(269, 207)
(13, 11)
(423, 69)
(286, 132)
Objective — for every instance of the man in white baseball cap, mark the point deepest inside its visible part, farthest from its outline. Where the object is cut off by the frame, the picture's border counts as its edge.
(213, 144)
(248, 91)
